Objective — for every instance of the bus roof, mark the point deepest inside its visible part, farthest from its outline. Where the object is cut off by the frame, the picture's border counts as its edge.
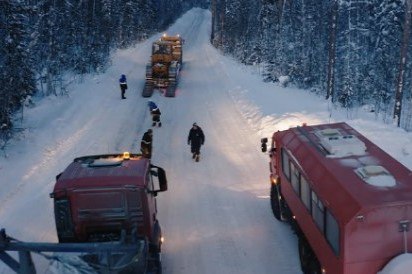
(347, 171)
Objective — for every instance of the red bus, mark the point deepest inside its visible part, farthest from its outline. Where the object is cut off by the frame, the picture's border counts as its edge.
(349, 202)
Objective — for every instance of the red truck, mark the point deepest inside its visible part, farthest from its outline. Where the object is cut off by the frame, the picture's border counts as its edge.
(104, 198)
(349, 202)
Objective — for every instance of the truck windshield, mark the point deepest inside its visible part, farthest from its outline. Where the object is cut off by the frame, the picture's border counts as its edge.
(106, 202)
(105, 211)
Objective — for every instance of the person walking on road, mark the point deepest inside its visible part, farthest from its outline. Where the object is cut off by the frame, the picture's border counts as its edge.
(155, 112)
(156, 117)
(146, 144)
(195, 139)
(123, 85)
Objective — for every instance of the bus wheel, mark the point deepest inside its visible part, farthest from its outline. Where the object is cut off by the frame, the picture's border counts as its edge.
(308, 261)
(275, 202)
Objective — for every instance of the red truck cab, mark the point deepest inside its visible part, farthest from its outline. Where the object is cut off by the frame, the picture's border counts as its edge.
(99, 197)
(348, 200)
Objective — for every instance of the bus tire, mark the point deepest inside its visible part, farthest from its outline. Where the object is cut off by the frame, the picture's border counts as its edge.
(308, 260)
(275, 203)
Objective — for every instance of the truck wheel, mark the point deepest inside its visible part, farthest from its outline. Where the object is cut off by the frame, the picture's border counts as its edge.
(156, 244)
(154, 265)
(308, 261)
(159, 267)
(275, 202)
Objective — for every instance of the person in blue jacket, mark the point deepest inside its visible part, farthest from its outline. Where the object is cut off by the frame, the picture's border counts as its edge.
(155, 112)
(123, 85)
(152, 105)
(156, 117)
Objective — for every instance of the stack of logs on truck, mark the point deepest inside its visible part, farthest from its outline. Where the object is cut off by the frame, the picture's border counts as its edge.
(105, 207)
(348, 201)
(165, 63)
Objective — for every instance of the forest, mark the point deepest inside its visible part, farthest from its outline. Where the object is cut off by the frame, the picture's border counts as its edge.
(355, 53)
(43, 41)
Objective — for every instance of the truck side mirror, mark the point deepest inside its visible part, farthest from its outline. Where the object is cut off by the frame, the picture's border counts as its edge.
(263, 145)
(58, 176)
(161, 174)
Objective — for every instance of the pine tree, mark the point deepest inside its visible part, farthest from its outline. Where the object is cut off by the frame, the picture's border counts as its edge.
(17, 77)
(386, 34)
(402, 63)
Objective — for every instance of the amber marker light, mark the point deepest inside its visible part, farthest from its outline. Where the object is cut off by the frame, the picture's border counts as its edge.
(126, 155)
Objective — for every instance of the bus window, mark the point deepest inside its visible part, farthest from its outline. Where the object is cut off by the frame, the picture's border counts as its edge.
(305, 192)
(318, 211)
(285, 164)
(294, 174)
(332, 232)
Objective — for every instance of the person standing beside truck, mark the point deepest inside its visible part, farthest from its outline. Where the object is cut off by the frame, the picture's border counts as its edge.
(195, 139)
(146, 144)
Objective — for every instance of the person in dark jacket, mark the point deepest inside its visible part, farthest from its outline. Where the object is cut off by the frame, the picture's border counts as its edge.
(123, 85)
(146, 144)
(156, 117)
(195, 139)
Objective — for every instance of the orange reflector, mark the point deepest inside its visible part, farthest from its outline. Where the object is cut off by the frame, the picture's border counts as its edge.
(126, 155)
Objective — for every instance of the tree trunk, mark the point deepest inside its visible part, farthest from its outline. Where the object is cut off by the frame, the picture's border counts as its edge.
(332, 50)
(402, 64)
(212, 35)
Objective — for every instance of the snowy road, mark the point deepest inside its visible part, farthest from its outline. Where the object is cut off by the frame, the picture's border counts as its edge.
(216, 216)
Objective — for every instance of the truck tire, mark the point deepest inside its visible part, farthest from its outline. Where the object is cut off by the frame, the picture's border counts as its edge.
(159, 268)
(154, 265)
(156, 243)
(308, 261)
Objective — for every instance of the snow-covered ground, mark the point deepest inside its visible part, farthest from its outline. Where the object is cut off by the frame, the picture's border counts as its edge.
(216, 215)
